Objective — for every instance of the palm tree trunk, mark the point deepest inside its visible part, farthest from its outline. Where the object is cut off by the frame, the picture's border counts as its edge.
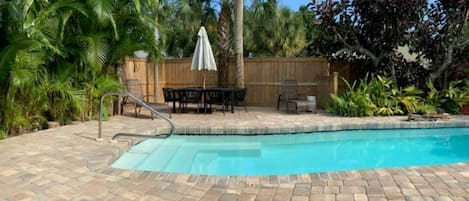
(224, 34)
(238, 35)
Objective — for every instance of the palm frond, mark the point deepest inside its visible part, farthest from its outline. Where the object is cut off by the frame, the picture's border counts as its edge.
(8, 54)
(138, 6)
(95, 50)
(103, 10)
(7, 57)
(50, 10)
(26, 6)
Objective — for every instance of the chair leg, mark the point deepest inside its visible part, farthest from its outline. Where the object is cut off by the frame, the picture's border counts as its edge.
(169, 111)
(136, 111)
(123, 103)
(278, 103)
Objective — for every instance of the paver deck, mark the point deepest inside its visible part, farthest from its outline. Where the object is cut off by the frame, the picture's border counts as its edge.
(66, 163)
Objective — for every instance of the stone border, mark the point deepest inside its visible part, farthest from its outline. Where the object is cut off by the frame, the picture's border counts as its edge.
(279, 179)
(315, 128)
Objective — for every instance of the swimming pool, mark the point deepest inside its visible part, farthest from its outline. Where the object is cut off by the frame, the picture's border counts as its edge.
(262, 155)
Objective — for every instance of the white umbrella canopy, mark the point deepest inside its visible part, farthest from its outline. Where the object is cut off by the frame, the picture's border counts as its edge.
(203, 59)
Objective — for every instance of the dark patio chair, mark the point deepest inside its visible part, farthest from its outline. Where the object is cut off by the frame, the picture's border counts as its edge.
(191, 96)
(240, 96)
(288, 93)
(215, 97)
(135, 88)
(171, 95)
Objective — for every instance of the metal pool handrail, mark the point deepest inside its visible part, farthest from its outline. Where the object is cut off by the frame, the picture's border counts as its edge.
(137, 101)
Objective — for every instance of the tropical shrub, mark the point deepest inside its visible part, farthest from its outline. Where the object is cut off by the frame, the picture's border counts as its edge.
(454, 97)
(57, 57)
(425, 109)
(449, 99)
(356, 101)
(3, 134)
(375, 95)
(381, 96)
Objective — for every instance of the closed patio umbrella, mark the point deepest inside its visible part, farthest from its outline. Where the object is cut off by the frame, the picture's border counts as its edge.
(203, 59)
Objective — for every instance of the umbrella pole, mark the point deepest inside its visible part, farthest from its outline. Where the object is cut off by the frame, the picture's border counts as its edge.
(203, 77)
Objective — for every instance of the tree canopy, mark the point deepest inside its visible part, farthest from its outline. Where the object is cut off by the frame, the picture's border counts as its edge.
(377, 32)
(269, 30)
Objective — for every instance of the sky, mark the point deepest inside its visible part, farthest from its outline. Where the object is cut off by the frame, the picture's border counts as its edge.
(292, 4)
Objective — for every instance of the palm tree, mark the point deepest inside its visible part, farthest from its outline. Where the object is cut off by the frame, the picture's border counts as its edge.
(188, 15)
(238, 35)
(224, 42)
(281, 32)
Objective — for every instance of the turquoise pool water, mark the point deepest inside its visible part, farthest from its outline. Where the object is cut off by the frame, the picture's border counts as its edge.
(298, 153)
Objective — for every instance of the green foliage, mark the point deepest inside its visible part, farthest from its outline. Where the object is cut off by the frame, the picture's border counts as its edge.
(375, 95)
(381, 96)
(270, 30)
(62, 101)
(180, 23)
(425, 109)
(449, 99)
(355, 102)
(94, 92)
(409, 99)
(57, 57)
(434, 35)
(3, 134)
(454, 97)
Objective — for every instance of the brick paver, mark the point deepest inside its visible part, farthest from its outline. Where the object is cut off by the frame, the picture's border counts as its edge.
(66, 163)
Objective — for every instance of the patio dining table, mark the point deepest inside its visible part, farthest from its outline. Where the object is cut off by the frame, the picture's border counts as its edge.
(228, 95)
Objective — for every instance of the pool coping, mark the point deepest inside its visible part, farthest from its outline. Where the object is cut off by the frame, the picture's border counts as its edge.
(314, 128)
(287, 179)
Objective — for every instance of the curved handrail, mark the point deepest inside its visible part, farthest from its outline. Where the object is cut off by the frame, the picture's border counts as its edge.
(140, 102)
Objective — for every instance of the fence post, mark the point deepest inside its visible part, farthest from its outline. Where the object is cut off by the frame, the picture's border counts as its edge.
(335, 83)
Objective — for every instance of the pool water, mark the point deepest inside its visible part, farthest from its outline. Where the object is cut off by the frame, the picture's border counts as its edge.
(298, 153)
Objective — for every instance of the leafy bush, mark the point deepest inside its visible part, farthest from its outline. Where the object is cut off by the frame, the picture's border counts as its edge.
(102, 85)
(381, 96)
(454, 97)
(3, 134)
(450, 99)
(425, 109)
(375, 95)
(355, 102)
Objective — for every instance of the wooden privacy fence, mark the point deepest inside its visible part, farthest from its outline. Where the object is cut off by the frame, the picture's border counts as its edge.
(262, 77)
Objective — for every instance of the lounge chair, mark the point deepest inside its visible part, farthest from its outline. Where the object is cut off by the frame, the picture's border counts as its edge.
(288, 93)
(135, 88)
